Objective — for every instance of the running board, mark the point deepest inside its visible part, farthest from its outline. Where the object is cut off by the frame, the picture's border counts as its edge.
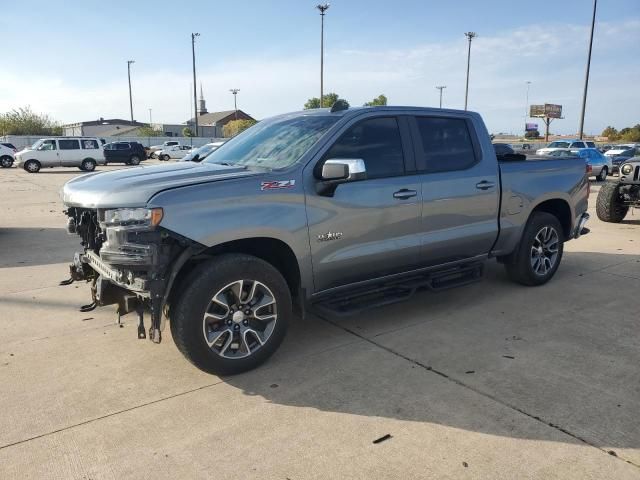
(365, 298)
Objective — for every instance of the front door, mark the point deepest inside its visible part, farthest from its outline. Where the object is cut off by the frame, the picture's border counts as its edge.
(48, 154)
(460, 190)
(367, 228)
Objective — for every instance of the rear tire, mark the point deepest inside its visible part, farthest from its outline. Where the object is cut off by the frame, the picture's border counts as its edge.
(134, 160)
(6, 161)
(609, 207)
(539, 253)
(603, 174)
(32, 166)
(88, 165)
(224, 341)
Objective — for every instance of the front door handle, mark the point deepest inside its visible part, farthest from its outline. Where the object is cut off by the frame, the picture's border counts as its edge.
(484, 185)
(404, 193)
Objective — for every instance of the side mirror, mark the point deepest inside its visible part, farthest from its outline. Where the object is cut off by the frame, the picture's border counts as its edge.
(343, 170)
(337, 171)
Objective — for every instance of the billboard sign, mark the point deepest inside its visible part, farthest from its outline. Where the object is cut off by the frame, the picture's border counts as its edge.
(547, 110)
(530, 127)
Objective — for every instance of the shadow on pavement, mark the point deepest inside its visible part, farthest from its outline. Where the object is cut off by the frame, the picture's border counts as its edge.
(562, 357)
(21, 247)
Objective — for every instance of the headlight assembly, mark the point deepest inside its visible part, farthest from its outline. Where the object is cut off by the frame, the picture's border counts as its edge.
(626, 169)
(133, 216)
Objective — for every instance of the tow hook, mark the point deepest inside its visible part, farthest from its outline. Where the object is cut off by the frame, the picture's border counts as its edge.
(141, 331)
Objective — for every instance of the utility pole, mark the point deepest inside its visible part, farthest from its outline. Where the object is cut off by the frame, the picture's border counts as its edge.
(323, 7)
(150, 121)
(586, 75)
(441, 87)
(470, 36)
(195, 95)
(129, 62)
(526, 106)
(235, 103)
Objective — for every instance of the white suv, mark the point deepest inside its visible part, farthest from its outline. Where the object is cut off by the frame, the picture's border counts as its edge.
(6, 156)
(566, 145)
(82, 152)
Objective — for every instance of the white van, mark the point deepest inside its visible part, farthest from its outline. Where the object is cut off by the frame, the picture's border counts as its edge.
(82, 152)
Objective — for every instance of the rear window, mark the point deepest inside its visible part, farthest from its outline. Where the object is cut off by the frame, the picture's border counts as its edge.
(90, 144)
(446, 144)
(69, 144)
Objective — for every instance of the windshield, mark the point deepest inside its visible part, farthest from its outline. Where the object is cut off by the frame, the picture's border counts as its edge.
(36, 145)
(559, 145)
(276, 143)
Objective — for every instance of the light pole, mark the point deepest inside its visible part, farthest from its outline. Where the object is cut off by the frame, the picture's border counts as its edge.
(195, 95)
(441, 87)
(150, 121)
(586, 75)
(470, 36)
(235, 103)
(526, 105)
(129, 62)
(323, 7)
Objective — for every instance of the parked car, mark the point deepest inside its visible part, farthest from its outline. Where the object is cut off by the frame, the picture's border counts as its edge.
(335, 210)
(503, 149)
(7, 155)
(82, 152)
(130, 153)
(600, 164)
(615, 199)
(153, 149)
(10, 145)
(175, 151)
(620, 154)
(199, 154)
(564, 145)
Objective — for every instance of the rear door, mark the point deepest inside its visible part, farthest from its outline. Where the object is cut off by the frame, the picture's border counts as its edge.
(460, 189)
(123, 152)
(366, 228)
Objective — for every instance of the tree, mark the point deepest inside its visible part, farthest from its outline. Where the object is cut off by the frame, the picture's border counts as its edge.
(610, 132)
(630, 134)
(380, 100)
(328, 99)
(23, 121)
(186, 132)
(148, 131)
(234, 127)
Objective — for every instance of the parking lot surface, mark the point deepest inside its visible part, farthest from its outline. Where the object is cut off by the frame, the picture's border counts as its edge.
(492, 380)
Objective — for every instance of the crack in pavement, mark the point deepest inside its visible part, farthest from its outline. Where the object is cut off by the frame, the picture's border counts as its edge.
(476, 390)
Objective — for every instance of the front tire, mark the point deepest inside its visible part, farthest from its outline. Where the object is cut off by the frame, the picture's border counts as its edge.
(164, 158)
(539, 253)
(6, 161)
(603, 174)
(32, 166)
(232, 315)
(609, 206)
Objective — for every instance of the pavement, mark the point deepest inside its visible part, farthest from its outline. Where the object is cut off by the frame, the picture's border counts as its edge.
(493, 380)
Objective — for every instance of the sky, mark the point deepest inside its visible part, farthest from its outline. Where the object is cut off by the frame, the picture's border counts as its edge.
(69, 59)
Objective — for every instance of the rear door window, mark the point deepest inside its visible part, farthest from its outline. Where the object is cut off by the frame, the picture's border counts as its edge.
(577, 145)
(446, 144)
(122, 146)
(591, 145)
(69, 144)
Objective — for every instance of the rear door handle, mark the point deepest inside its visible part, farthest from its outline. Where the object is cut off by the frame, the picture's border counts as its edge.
(404, 193)
(484, 185)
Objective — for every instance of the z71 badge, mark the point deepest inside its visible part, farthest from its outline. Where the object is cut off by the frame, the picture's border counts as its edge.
(277, 184)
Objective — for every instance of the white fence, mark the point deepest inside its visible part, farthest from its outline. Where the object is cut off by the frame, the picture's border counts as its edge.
(21, 141)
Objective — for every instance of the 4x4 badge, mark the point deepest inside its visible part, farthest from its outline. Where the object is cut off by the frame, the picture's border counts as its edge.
(277, 184)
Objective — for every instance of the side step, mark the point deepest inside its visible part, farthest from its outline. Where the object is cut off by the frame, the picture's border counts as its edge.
(365, 298)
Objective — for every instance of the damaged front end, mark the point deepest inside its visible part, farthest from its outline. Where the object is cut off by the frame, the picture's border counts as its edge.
(129, 260)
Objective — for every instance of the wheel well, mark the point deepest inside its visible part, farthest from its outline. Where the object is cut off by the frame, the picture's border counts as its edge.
(559, 209)
(88, 158)
(271, 250)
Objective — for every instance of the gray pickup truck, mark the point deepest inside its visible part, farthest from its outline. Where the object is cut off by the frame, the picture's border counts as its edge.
(339, 210)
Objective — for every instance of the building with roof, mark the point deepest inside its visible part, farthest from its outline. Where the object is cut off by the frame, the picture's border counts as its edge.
(103, 127)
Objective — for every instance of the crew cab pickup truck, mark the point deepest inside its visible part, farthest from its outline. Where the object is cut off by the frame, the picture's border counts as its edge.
(332, 209)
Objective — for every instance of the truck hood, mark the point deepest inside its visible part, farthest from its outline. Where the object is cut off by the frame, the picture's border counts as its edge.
(133, 187)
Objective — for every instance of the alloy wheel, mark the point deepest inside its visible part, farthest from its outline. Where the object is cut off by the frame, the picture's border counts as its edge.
(240, 319)
(544, 251)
